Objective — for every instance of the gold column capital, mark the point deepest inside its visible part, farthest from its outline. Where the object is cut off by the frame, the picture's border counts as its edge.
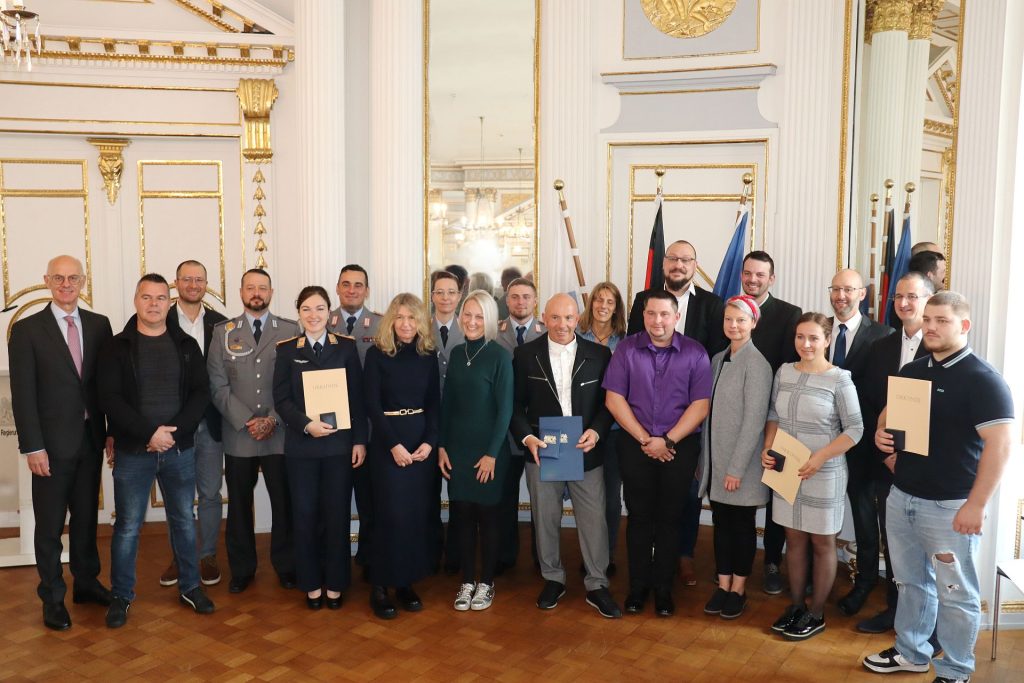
(889, 15)
(256, 97)
(923, 17)
(111, 163)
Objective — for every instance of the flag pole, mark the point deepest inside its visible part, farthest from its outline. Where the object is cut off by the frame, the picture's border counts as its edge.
(748, 179)
(909, 189)
(873, 270)
(573, 249)
(889, 184)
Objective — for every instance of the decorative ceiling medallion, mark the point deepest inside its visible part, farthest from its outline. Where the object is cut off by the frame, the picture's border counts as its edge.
(687, 18)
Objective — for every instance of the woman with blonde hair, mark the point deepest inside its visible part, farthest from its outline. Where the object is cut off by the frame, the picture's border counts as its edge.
(474, 452)
(403, 396)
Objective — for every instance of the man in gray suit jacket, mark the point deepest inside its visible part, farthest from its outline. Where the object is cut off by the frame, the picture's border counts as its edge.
(240, 363)
(521, 327)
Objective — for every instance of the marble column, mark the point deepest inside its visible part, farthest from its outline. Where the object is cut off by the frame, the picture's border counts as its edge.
(320, 71)
(396, 148)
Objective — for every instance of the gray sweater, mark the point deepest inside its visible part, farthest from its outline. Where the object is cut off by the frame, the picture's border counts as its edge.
(733, 434)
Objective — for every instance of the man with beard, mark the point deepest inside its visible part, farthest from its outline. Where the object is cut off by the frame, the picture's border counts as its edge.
(774, 337)
(241, 368)
(852, 337)
(700, 318)
(196, 320)
(931, 264)
(936, 507)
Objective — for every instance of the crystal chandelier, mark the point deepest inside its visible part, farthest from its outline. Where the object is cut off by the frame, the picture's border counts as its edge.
(19, 36)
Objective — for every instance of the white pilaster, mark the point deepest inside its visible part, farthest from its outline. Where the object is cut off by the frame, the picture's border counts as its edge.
(913, 122)
(320, 73)
(396, 147)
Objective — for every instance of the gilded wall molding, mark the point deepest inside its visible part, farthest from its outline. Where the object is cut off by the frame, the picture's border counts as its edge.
(923, 17)
(891, 15)
(939, 128)
(256, 97)
(218, 15)
(680, 19)
(111, 163)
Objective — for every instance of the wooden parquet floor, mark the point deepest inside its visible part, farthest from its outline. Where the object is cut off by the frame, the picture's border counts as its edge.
(267, 634)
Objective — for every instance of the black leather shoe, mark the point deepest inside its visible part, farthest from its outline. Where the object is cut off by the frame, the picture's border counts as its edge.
(882, 622)
(55, 616)
(792, 613)
(381, 604)
(117, 613)
(238, 584)
(315, 603)
(855, 599)
(601, 600)
(408, 599)
(95, 594)
(333, 603)
(550, 594)
(287, 581)
(806, 626)
(636, 600)
(663, 605)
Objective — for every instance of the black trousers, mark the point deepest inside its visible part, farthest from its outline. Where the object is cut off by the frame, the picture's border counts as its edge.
(241, 474)
(321, 494)
(73, 486)
(881, 491)
(474, 520)
(735, 538)
(655, 493)
(364, 508)
(774, 537)
(861, 490)
(508, 511)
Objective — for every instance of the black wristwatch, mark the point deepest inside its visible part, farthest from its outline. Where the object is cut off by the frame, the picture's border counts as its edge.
(669, 443)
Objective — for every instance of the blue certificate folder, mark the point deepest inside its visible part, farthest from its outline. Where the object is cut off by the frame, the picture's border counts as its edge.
(561, 460)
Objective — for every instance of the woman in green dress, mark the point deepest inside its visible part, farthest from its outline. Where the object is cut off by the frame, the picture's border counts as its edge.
(476, 409)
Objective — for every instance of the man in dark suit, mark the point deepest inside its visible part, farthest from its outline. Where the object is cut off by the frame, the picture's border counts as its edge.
(885, 358)
(700, 318)
(774, 338)
(852, 337)
(559, 374)
(61, 433)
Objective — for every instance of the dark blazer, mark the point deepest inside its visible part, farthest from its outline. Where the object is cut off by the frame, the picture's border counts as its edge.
(883, 361)
(294, 357)
(48, 396)
(119, 390)
(536, 395)
(703, 319)
(775, 333)
(868, 332)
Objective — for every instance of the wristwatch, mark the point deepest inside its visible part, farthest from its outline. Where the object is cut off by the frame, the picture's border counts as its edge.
(669, 443)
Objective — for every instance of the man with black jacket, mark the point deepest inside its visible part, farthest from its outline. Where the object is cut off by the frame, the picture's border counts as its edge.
(153, 386)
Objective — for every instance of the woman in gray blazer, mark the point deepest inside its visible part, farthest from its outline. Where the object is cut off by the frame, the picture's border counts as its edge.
(730, 466)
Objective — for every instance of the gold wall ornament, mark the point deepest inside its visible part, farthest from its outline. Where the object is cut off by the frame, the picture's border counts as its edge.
(891, 15)
(111, 163)
(256, 97)
(687, 18)
(260, 213)
(923, 17)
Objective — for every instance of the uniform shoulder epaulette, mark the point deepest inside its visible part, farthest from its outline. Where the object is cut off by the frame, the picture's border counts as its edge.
(503, 326)
(289, 339)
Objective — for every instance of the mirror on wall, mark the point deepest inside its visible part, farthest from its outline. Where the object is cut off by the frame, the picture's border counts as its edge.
(481, 209)
(906, 111)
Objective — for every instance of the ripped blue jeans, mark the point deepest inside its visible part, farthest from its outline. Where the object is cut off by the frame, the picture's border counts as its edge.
(919, 531)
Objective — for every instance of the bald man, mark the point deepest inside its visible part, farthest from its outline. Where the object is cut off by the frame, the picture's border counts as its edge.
(924, 246)
(852, 337)
(559, 374)
(61, 432)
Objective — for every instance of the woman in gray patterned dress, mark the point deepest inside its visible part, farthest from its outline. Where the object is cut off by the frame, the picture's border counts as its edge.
(816, 403)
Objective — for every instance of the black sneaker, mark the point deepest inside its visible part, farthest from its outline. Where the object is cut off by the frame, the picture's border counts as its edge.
(601, 600)
(197, 600)
(792, 613)
(806, 626)
(550, 594)
(888, 661)
(714, 605)
(734, 604)
(944, 679)
(117, 613)
(772, 579)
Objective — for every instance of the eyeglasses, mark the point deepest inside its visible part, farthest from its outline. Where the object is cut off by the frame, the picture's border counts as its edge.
(848, 291)
(909, 298)
(193, 280)
(681, 260)
(71, 279)
(442, 293)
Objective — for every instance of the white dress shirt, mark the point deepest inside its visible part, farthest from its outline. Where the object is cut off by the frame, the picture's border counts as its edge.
(562, 357)
(60, 314)
(684, 305)
(252, 321)
(193, 329)
(909, 346)
(851, 331)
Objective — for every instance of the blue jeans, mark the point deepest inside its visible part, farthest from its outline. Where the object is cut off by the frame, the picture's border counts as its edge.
(930, 588)
(134, 474)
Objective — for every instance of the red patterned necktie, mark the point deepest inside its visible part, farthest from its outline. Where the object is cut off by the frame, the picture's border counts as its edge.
(74, 343)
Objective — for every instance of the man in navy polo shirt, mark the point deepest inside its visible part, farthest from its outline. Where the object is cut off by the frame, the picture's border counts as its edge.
(937, 503)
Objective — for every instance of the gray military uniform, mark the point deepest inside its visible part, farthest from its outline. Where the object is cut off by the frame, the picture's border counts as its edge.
(364, 329)
(242, 381)
(455, 337)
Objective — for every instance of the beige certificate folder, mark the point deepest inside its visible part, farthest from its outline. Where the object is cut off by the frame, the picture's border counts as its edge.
(326, 391)
(787, 482)
(909, 408)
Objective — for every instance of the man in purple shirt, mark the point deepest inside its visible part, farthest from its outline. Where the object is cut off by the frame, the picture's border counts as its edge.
(658, 389)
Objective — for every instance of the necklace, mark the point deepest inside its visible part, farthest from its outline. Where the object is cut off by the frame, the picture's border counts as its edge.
(469, 360)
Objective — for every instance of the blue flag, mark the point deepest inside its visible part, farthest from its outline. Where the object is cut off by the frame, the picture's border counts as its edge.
(727, 284)
(900, 265)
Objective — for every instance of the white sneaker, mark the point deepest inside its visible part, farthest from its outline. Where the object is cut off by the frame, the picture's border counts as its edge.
(464, 597)
(888, 661)
(483, 597)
